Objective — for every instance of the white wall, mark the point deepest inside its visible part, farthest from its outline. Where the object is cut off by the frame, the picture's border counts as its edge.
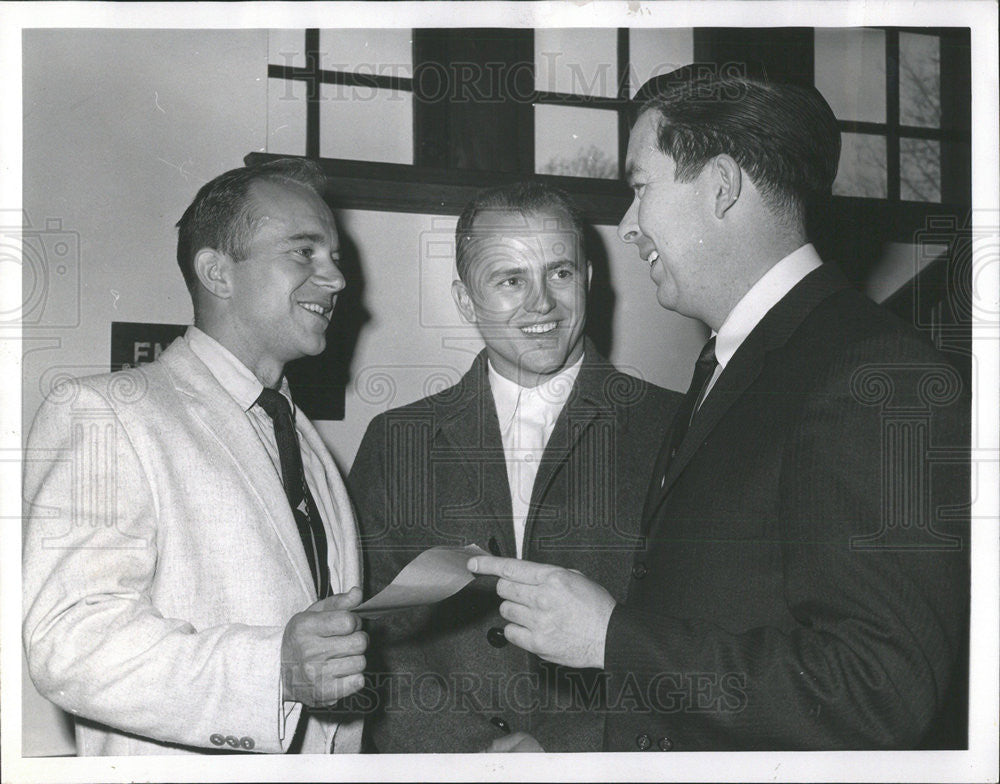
(120, 130)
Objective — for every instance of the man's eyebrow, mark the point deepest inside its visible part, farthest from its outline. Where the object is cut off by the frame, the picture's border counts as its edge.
(506, 272)
(306, 236)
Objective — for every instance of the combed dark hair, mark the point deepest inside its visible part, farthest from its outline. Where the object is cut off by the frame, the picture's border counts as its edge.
(527, 198)
(784, 137)
(222, 215)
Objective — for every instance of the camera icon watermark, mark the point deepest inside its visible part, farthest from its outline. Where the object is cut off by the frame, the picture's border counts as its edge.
(48, 257)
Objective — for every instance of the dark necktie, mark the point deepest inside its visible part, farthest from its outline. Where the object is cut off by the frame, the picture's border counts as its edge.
(703, 370)
(304, 509)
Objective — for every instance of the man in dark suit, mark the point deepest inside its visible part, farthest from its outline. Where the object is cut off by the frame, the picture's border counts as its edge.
(803, 583)
(543, 449)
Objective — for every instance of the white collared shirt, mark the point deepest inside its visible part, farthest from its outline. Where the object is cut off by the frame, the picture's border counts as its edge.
(244, 387)
(755, 304)
(527, 416)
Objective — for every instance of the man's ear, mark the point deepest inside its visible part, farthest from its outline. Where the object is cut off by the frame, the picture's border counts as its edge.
(590, 273)
(463, 301)
(727, 183)
(214, 271)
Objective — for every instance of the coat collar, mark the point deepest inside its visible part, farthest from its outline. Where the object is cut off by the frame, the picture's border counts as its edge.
(465, 415)
(223, 417)
(773, 331)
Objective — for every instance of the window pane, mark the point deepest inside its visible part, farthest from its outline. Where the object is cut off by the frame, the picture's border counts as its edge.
(582, 62)
(920, 80)
(365, 124)
(862, 166)
(850, 72)
(384, 52)
(286, 117)
(920, 170)
(576, 142)
(286, 47)
(655, 52)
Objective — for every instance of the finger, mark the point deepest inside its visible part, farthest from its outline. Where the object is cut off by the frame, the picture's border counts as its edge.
(334, 689)
(513, 569)
(319, 649)
(334, 623)
(517, 592)
(521, 637)
(517, 613)
(339, 601)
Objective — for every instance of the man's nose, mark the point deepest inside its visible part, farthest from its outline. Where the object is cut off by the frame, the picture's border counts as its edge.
(540, 300)
(327, 274)
(628, 228)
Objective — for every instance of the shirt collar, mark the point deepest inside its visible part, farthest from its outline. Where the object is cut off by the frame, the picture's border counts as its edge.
(762, 296)
(235, 377)
(553, 391)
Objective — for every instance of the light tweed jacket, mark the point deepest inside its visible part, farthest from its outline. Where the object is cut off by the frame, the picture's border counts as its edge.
(162, 562)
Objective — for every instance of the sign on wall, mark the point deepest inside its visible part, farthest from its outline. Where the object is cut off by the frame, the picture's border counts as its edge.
(314, 381)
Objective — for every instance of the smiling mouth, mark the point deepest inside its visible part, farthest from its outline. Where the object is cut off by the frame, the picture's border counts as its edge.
(540, 329)
(652, 258)
(319, 310)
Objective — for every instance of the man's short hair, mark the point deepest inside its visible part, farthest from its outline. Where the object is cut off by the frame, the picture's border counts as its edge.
(527, 198)
(222, 215)
(784, 137)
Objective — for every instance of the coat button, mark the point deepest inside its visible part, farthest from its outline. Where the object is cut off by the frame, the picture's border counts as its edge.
(217, 739)
(665, 744)
(496, 638)
(643, 741)
(494, 546)
(639, 571)
(232, 741)
(247, 743)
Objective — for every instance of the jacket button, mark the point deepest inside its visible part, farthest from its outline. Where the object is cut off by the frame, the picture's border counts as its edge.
(233, 741)
(643, 741)
(665, 744)
(217, 739)
(496, 638)
(494, 546)
(639, 571)
(247, 743)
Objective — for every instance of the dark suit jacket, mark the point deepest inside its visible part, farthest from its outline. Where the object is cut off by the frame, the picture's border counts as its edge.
(433, 473)
(804, 583)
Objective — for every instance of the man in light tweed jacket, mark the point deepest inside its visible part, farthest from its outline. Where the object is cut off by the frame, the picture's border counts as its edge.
(190, 555)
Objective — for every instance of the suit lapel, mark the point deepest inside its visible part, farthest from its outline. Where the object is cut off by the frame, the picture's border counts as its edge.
(772, 332)
(226, 421)
(587, 400)
(470, 426)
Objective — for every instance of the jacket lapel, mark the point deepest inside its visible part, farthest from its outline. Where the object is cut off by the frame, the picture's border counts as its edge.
(469, 425)
(772, 332)
(227, 423)
(588, 400)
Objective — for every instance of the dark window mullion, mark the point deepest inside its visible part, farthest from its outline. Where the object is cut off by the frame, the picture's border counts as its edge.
(312, 93)
(624, 70)
(346, 78)
(892, 114)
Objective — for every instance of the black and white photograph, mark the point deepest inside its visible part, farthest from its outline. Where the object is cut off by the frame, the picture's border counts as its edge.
(591, 391)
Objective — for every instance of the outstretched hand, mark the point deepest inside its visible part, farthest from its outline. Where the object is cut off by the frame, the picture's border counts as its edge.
(555, 613)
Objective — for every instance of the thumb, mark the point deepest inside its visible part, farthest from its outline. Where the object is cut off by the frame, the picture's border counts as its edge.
(339, 601)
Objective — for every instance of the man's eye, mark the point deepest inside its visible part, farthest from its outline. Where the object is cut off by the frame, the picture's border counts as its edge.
(306, 252)
(510, 282)
(563, 274)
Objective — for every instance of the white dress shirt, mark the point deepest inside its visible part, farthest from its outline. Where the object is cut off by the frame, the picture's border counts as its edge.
(244, 387)
(754, 305)
(527, 416)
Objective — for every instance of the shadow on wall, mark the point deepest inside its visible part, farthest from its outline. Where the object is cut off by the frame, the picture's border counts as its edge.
(601, 300)
(320, 382)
